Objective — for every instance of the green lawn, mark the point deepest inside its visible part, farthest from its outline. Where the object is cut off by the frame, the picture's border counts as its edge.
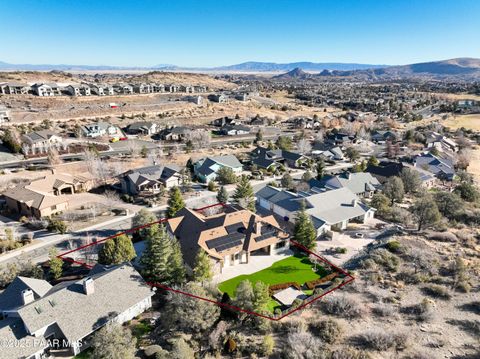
(292, 269)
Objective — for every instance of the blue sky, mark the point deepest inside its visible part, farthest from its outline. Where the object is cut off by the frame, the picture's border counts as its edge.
(215, 32)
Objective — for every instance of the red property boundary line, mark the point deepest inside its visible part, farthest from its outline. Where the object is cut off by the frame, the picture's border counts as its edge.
(220, 304)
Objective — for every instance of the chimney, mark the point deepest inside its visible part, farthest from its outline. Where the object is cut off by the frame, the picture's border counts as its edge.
(88, 286)
(258, 228)
(27, 296)
(354, 202)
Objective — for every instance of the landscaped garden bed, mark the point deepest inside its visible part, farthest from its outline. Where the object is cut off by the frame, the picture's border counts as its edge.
(295, 271)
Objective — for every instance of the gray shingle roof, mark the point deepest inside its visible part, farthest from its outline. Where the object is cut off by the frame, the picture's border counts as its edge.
(78, 314)
(11, 298)
(12, 331)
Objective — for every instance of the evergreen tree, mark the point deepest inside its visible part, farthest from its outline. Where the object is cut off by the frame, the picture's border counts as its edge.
(304, 232)
(372, 161)
(226, 175)
(125, 251)
(106, 254)
(222, 195)
(56, 264)
(117, 250)
(394, 189)
(287, 181)
(177, 266)
(261, 297)
(203, 267)
(140, 219)
(259, 136)
(244, 295)
(175, 202)
(155, 260)
(244, 194)
(113, 342)
(320, 168)
(426, 212)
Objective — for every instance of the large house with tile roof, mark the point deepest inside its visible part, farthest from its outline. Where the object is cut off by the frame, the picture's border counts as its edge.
(230, 237)
(70, 311)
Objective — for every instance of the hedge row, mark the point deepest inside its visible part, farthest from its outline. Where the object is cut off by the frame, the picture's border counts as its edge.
(313, 283)
(276, 287)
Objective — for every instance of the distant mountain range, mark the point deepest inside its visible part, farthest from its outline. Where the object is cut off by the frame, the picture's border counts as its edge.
(243, 67)
(459, 67)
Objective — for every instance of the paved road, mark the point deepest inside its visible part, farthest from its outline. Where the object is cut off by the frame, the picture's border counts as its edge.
(38, 252)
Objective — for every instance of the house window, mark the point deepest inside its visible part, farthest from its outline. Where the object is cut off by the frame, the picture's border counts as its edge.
(280, 244)
(237, 256)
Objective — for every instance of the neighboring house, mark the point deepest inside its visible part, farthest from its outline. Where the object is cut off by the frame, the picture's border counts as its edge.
(197, 100)
(97, 90)
(123, 89)
(362, 184)
(143, 128)
(200, 88)
(171, 88)
(339, 139)
(220, 98)
(233, 130)
(142, 88)
(85, 90)
(229, 238)
(259, 121)
(441, 142)
(43, 90)
(327, 152)
(175, 133)
(224, 121)
(158, 88)
(14, 88)
(73, 90)
(206, 169)
(72, 311)
(329, 210)
(442, 168)
(264, 158)
(150, 179)
(100, 129)
(4, 114)
(41, 139)
(381, 137)
(45, 196)
(187, 89)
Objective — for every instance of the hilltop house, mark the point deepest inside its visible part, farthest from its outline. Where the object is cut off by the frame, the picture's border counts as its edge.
(381, 137)
(229, 238)
(142, 88)
(265, 158)
(14, 88)
(45, 196)
(43, 90)
(97, 90)
(73, 90)
(442, 168)
(440, 142)
(327, 151)
(150, 179)
(206, 168)
(98, 129)
(220, 98)
(146, 128)
(123, 89)
(69, 311)
(329, 210)
(362, 184)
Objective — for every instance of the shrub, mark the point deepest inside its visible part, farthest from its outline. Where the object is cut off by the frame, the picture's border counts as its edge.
(381, 340)
(443, 237)
(384, 310)
(423, 310)
(57, 225)
(342, 306)
(382, 258)
(349, 353)
(437, 291)
(328, 330)
(393, 246)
